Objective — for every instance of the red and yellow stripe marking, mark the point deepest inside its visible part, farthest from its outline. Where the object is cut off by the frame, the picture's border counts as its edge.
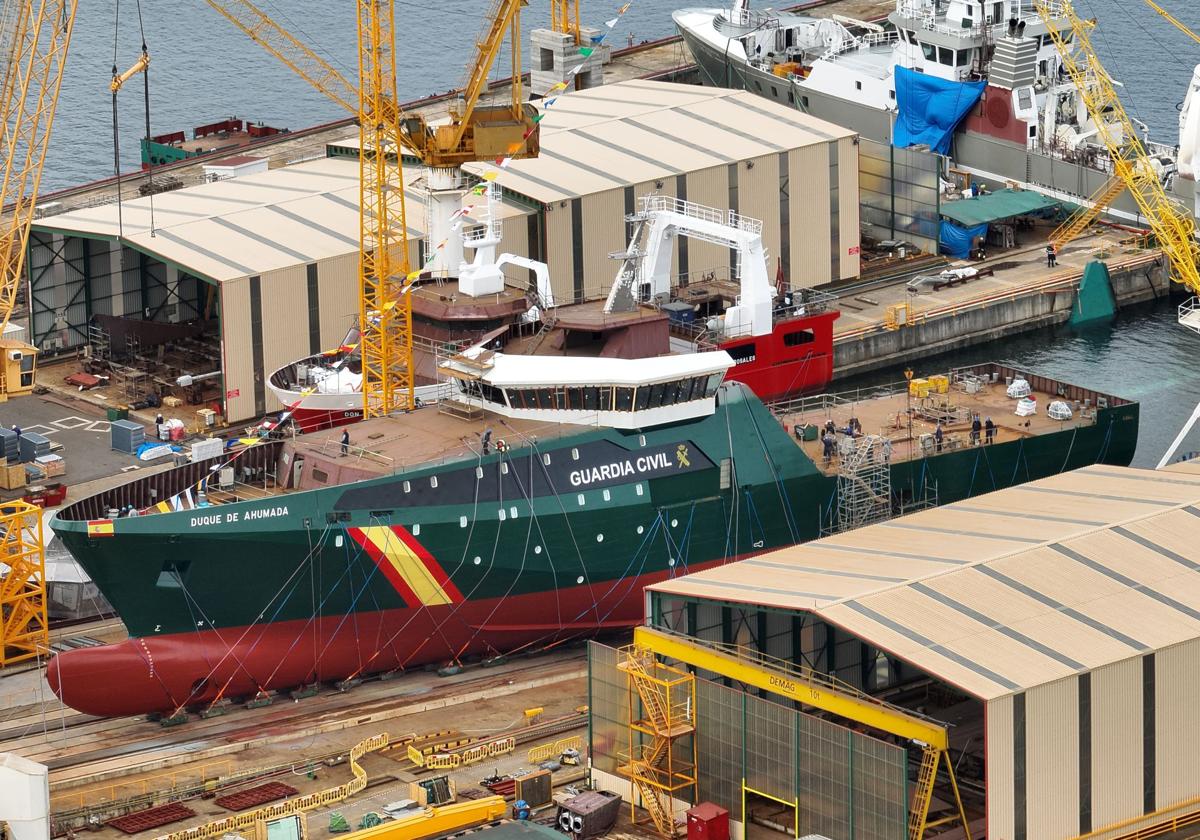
(416, 576)
(100, 528)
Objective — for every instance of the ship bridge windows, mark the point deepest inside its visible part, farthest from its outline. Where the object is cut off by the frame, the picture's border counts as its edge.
(930, 52)
(612, 398)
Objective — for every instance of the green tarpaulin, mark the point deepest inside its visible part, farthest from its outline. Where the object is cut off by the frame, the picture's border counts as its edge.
(995, 206)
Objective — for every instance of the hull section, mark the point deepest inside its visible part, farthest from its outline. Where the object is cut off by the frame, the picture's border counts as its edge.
(517, 550)
(982, 153)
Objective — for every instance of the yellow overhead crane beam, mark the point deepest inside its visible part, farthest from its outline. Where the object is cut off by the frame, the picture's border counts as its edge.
(810, 689)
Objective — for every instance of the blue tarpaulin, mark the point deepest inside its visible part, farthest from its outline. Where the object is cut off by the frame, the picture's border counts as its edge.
(930, 108)
(956, 241)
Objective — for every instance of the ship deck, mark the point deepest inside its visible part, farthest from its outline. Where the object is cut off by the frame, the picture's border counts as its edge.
(885, 412)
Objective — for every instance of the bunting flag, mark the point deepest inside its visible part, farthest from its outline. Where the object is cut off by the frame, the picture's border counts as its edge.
(586, 52)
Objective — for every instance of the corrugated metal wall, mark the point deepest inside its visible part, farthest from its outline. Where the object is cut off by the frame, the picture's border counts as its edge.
(1116, 742)
(809, 179)
(1177, 723)
(848, 209)
(1074, 756)
(1052, 760)
(338, 292)
(236, 349)
(999, 735)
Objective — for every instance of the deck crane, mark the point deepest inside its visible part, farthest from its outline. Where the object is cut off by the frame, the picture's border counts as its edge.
(1172, 226)
(474, 132)
(35, 35)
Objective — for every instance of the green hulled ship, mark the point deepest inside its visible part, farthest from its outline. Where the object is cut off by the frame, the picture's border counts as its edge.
(531, 508)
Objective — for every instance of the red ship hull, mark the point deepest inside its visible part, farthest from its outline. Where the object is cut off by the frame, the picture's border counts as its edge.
(172, 672)
(319, 419)
(795, 357)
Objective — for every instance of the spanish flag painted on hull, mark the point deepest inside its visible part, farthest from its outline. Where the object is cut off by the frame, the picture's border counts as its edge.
(413, 572)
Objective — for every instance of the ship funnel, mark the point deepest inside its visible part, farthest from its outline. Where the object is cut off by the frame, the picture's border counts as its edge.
(1021, 29)
(1012, 27)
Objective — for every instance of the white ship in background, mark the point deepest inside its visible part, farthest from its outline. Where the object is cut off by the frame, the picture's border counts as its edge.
(1030, 126)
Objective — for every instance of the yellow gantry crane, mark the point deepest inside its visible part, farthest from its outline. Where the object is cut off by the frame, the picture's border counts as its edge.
(35, 36)
(473, 132)
(564, 17)
(1172, 226)
(668, 716)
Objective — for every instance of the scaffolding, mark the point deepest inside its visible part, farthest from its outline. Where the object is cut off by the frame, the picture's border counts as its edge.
(24, 629)
(864, 482)
(662, 739)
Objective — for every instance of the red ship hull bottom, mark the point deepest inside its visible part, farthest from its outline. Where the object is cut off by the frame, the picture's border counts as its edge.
(167, 673)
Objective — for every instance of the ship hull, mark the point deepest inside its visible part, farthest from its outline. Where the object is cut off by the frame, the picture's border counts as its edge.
(984, 155)
(330, 584)
(184, 670)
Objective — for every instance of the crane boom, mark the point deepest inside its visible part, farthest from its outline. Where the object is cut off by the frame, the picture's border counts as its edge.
(287, 48)
(1174, 21)
(28, 99)
(385, 303)
(1172, 226)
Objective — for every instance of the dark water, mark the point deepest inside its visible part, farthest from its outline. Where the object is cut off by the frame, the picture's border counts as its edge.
(203, 70)
(1143, 355)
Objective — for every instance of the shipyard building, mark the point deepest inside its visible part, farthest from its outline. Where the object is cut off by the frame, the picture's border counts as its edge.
(238, 277)
(1045, 639)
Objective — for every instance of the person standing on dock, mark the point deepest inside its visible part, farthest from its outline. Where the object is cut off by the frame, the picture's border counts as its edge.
(975, 427)
(345, 442)
(1051, 255)
(938, 435)
(989, 431)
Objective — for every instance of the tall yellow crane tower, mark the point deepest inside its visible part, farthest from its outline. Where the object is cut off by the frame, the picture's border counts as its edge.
(474, 132)
(34, 38)
(384, 305)
(35, 35)
(1172, 226)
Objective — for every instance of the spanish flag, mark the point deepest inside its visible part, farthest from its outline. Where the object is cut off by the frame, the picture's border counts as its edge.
(100, 528)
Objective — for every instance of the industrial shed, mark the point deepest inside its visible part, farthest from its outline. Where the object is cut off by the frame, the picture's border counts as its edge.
(604, 148)
(1055, 626)
(268, 261)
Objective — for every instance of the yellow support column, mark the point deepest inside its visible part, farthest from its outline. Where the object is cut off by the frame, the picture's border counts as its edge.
(24, 630)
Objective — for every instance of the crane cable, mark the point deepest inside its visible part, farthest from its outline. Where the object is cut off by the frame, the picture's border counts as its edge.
(115, 122)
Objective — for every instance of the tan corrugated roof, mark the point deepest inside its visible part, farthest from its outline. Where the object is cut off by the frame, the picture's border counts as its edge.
(249, 225)
(636, 131)
(1005, 591)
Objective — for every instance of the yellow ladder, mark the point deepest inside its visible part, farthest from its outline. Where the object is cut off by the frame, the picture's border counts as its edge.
(1082, 218)
(659, 813)
(923, 795)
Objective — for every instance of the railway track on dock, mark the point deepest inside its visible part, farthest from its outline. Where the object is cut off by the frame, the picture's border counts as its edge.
(85, 750)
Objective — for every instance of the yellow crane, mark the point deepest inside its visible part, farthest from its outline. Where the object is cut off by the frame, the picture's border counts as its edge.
(1172, 226)
(1174, 21)
(1086, 214)
(474, 132)
(36, 35)
(564, 17)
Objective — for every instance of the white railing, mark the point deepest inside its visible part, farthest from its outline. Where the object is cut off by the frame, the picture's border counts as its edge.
(667, 203)
(870, 39)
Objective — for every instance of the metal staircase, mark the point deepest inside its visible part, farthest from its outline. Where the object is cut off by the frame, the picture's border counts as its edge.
(918, 812)
(1084, 216)
(662, 742)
